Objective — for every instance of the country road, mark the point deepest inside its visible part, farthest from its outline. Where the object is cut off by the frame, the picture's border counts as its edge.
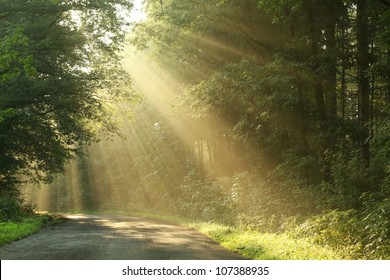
(114, 237)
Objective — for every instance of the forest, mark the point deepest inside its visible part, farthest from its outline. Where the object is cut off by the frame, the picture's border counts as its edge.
(268, 115)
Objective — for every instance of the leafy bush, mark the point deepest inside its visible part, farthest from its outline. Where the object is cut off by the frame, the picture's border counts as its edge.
(15, 230)
(340, 230)
(13, 208)
(354, 234)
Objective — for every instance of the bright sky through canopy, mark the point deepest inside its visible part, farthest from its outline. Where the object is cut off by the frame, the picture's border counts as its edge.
(137, 13)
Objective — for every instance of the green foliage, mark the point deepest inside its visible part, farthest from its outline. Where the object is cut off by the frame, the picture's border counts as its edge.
(376, 222)
(13, 208)
(14, 57)
(194, 38)
(352, 233)
(15, 230)
(59, 76)
(204, 200)
(348, 179)
(265, 246)
(380, 169)
(340, 230)
(272, 134)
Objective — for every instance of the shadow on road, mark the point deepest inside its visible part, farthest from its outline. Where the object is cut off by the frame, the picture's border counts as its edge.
(96, 237)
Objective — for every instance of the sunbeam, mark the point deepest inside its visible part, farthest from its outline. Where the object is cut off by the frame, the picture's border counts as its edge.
(140, 166)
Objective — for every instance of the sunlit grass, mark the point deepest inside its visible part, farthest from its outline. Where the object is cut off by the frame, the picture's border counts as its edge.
(12, 231)
(265, 246)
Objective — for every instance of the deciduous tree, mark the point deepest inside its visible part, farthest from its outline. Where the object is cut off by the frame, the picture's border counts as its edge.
(59, 76)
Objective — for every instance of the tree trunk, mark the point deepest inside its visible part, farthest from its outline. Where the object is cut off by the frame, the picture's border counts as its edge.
(388, 82)
(363, 80)
(330, 35)
(343, 75)
(318, 86)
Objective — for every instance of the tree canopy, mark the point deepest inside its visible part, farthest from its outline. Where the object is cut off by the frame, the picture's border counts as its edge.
(293, 98)
(294, 79)
(59, 74)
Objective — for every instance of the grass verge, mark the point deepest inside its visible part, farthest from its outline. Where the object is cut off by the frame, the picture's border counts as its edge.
(265, 246)
(15, 230)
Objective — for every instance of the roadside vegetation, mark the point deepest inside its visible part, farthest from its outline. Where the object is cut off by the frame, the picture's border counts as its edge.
(326, 237)
(256, 245)
(285, 107)
(292, 244)
(18, 219)
(59, 76)
(22, 227)
(267, 246)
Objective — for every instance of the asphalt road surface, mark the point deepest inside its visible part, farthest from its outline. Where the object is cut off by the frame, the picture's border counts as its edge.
(113, 237)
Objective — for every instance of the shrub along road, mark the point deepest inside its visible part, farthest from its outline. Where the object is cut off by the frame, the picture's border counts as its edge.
(115, 237)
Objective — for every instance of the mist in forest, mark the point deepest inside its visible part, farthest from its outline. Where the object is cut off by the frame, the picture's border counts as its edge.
(141, 168)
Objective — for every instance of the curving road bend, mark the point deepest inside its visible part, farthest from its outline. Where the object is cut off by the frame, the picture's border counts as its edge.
(114, 237)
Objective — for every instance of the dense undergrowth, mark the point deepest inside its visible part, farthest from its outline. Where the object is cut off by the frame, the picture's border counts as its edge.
(267, 246)
(22, 227)
(253, 217)
(18, 219)
(251, 208)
